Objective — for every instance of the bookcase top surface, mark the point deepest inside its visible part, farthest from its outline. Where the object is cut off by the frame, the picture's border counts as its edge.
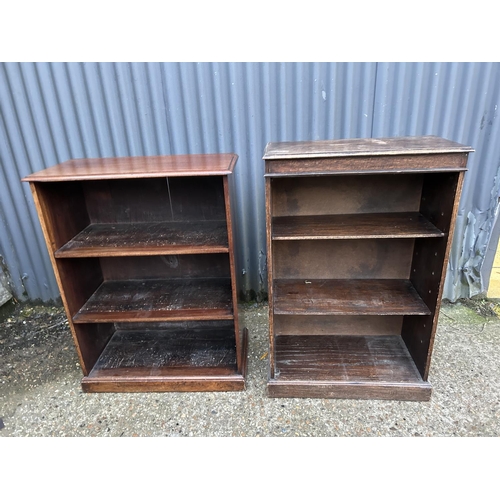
(136, 167)
(363, 147)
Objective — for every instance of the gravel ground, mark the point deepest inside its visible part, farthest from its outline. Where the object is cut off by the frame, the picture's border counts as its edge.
(40, 393)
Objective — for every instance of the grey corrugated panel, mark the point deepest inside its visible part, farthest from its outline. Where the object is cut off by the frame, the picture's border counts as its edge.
(458, 101)
(21, 240)
(51, 112)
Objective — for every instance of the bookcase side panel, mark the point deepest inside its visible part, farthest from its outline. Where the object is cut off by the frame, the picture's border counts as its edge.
(440, 198)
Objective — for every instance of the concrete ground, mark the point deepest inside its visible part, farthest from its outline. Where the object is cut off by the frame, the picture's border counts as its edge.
(40, 393)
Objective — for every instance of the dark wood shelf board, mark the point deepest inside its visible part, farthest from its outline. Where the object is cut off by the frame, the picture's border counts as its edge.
(346, 366)
(354, 226)
(147, 238)
(159, 300)
(360, 296)
(350, 390)
(194, 356)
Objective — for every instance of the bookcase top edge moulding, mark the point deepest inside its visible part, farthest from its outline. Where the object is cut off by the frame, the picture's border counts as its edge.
(143, 253)
(358, 239)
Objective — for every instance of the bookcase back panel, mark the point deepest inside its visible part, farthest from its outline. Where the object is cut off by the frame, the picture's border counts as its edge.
(337, 325)
(346, 194)
(128, 200)
(342, 259)
(197, 198)
(166, 266)
(155, 200)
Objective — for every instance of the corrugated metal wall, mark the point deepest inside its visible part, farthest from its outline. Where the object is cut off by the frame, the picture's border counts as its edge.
(50, 112)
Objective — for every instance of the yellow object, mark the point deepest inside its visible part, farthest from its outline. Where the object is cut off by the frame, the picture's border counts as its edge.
(494, 286)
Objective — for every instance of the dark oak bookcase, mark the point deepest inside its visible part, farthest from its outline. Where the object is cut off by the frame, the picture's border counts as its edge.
(143, 253)
(359, 233)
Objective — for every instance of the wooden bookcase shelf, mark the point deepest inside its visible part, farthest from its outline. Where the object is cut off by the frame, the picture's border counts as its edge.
(143, 254)
(147, 238)
(359, 233)
(353, 226)
(158, 300)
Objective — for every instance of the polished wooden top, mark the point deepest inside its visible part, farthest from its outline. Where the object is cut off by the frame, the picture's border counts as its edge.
(137, 167)
(363, 147)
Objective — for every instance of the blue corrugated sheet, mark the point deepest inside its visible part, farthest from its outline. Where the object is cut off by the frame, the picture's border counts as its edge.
(51, 112)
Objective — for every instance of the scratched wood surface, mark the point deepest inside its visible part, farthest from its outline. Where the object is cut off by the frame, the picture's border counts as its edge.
(364, 147)
(345, 358)
(137, 167)
(147, 238)
(171, 357)
(329, 297)
(157, 351)
(350, 390)
(157, 300)
(354, 226)
(367, 165)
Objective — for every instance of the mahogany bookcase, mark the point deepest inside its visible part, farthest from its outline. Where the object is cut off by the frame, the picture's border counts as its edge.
(143, 253)
(359, 233)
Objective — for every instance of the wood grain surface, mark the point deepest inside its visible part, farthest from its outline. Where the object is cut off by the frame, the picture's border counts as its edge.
(397, 164)
(345, 357)
(329, 297)
(415, 145)
(147, 238)
(158, 300)
(164, 363)
(137, 167)
(354, 226)
(158, 351)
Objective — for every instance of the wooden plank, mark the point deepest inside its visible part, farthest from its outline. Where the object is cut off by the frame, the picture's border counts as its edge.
(157, 352)
(350, 390)
(158, 300)
(345, 358)
(343, 259)
(153, 238)
(364, 147)
(232, 268)
(367, 164)
(137, 167)
(202, 383)
(347, 367)
(330, 195)
(364, 297)
(354, 226)
(269, 183)
(294, 324)
(190, 356)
